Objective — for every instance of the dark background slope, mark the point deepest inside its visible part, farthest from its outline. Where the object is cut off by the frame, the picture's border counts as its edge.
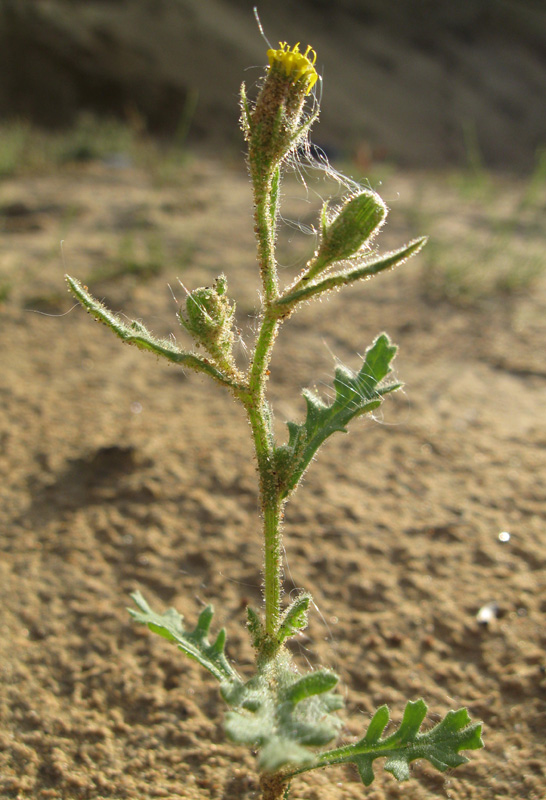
(413, 81)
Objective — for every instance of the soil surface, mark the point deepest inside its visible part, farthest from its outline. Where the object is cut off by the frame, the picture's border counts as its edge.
(118, 472)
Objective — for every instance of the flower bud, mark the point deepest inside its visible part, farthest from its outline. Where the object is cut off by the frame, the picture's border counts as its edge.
(208, 317)
(272, 128)
(356, 222)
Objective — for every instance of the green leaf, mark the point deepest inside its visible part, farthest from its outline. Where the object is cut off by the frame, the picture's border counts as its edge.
(376, 727)
(304, 290)
(194, 643)
(441, 745)
(356, 394)
(284, 714)
(255, 627)
(137, 334)
(317, 682)
(294, 619)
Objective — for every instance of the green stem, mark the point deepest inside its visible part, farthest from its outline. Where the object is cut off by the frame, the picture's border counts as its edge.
(271, 505)
(266, 190)
(272, 567)
(266, 181)
(262, 354)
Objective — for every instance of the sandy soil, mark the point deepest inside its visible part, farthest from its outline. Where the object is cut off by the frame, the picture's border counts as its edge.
(119, 472)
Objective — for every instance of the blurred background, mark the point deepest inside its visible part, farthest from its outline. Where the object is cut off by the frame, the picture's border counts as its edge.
(421, 83)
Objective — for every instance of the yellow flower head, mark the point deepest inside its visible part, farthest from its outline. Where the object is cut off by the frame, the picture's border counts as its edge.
(296, 65)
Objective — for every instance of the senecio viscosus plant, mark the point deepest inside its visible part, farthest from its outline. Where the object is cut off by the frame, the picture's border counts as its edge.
(286, 716)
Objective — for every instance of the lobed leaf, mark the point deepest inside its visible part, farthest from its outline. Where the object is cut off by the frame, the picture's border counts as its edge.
(441, 745)
(317, 682)
(194, 643)
(294, 619)
(284, 714)
(137, 334)
(356, 394)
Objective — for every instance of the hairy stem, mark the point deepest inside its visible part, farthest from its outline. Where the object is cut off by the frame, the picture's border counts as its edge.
(271, 513)
(272, 567)
(265, 181)
(266, 188)
(262, 355)
(260, 420)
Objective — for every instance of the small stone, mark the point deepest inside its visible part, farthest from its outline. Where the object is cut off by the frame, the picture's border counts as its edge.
(487, 614)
